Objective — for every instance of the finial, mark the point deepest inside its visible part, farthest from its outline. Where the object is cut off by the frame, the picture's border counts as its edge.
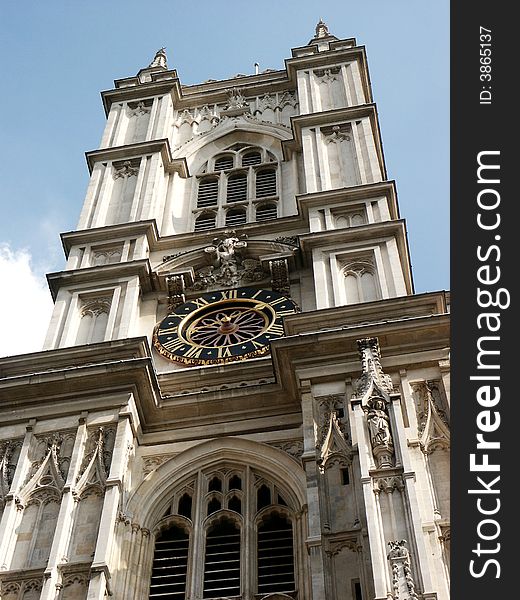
(159, 60)
(321, 29)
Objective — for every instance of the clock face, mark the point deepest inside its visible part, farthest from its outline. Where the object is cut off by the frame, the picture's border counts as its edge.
(223, 326)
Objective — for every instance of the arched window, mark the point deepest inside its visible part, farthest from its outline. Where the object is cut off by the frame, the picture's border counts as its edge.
(237, 187)
(251, 158)
(266, 183)
(360, 282)
(265, 212)
(208, 192)
(235, 216)
(275, 555)
(222, 560)
(228, 510)
(205, 220)
(170, 564)
(223, 163)
(241, 174)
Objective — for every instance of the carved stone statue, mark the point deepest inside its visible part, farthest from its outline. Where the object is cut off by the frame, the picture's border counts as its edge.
(378, 422)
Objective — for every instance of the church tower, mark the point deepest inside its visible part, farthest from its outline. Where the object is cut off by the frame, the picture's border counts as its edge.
(240, 396)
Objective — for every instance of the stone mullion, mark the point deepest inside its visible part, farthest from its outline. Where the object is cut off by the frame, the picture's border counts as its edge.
(197, 554)
(99, 583)
(248, 569)
(13, 510)
(135, 563)
(144, 566)
(66, 515)
(314, 538)
(375, 535)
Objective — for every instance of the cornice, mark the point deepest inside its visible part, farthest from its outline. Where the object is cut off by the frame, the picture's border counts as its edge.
(162, 146)
(101, 275)
(330, 57)
(371, 233)
(110, 233)
(347, 195)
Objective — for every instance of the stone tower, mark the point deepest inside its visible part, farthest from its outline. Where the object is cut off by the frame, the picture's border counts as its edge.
(240, 395)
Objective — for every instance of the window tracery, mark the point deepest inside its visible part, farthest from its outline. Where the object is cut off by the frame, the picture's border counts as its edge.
(233, 530)
(237, 186)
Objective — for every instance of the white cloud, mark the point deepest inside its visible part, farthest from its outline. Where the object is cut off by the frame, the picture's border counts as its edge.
(25, 303)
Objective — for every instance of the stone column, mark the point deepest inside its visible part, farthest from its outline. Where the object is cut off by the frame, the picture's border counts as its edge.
(314, 540)
(11, 515)
(99, 584)
(66, 515)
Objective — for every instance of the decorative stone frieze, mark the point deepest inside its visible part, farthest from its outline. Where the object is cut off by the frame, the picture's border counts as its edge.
(154, 461)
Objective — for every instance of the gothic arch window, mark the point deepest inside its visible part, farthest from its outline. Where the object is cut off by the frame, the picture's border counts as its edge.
(360, 281)
(170, 563)
(240, 538)
(205, 220)
(242, 177)
(235, 216)
(266, 212)
(93, 323)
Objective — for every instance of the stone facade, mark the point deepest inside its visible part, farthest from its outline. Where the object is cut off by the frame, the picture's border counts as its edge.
(336, 442)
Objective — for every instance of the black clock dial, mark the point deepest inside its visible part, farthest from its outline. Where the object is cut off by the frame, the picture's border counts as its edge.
(223, 326)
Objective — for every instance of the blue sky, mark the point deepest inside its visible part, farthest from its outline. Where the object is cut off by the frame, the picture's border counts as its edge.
(58, 55)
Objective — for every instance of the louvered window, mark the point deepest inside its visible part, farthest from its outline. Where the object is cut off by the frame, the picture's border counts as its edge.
(208, 192)
(239, 174)
(275, 556)
(251, 158)
(170, 565)
(205, 221)
(223, 162)
(231, 512)
(265, 212)
(237, 187)
(266, 183)
(222, 561)
(235, 217)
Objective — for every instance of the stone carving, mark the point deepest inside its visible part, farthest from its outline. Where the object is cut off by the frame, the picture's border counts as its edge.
(229, 269)
(154, 461)
(337, 133)
(293, 448)
(95, 467)
(127, 168)
(321, 30)
(432, 419)
(388, 484)
(335, 547)
(280, 276)
(96, 306)
(175, 286)
(332, 441)
(159, 60)
(236, 99)
(402, 579)
(379, 430)
(327, 75)
(136, 109)
(373, 389)
(290, 240)
(9, 453)
(373, 380)
(49, 467)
